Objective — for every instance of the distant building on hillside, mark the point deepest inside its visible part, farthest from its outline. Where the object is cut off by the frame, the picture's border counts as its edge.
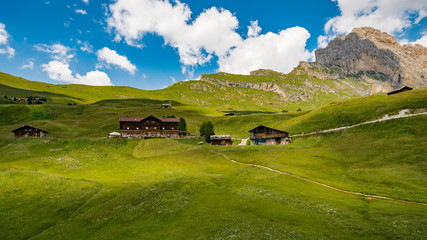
(263, 135)
(220, 139)
(167, 105)
(149, 127)
(29, 131)
(404, 89)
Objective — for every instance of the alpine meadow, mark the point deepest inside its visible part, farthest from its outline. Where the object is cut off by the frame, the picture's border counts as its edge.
(273, 140)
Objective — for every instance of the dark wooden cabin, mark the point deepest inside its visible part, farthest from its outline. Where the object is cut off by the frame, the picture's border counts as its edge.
(29, 131)
(404, 89)
(220, 139)
(263, 135)
(149, 127)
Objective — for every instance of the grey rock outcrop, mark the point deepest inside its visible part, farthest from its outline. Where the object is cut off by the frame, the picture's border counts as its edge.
(375, 56)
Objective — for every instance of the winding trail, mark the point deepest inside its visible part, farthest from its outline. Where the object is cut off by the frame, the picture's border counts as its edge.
(318, 183)
(402, 114)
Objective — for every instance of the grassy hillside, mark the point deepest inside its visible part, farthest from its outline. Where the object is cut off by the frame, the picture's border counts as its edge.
(176, 189)
(76, 184)
(215, 94)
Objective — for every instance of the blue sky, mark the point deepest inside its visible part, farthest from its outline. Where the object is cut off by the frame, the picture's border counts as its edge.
(150, 44)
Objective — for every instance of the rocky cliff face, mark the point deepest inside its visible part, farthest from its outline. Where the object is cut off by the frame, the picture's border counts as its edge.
(372, 55)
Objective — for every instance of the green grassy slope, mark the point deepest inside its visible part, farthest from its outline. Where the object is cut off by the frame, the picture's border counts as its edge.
(76, 184)
(176, 189)
(213, 94)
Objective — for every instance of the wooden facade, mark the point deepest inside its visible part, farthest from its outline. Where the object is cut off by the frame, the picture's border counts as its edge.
(220, 139)
(29, 131)
(149, 127)
(263, 135)
(404, 89)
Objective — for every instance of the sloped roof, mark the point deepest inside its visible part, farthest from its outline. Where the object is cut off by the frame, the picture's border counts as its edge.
(267, 127)
(28, 126)
(139, 119)
(220, 137)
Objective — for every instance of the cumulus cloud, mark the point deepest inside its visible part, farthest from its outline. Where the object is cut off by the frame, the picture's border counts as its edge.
(85, 46)
(4, 42)
(81, 11)
(59, 67)
(422, 41)
(61, 71)
(280, 52)
(29, 64)
(57, 50)
(254, 29)
(392, 16)
(86, 1)
(109, 56)
(211, 33)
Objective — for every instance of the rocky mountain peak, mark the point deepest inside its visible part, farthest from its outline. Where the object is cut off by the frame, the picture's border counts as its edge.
(375, 56)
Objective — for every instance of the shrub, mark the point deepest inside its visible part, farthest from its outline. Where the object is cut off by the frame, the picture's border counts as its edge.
(284, 111)
(248, 142)
(299, 110)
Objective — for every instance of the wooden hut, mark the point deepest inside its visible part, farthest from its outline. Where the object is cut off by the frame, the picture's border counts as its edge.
(220, 139)
(263, 135)
(29, 131)
(149, 127)
(404, 89)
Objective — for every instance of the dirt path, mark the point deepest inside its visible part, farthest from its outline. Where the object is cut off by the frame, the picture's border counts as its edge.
(402, 114)
(318, 183)
(243, 143)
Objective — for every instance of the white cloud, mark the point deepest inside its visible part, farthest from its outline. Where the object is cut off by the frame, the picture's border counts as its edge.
(254, 29)
(392, 16)
(85, 46)
(86, 1)
(422, 41)
(173, 79)
(29, 65)
(4, 42)
(57, 50)
(279, 52)
(81, 11)
(212, 32)
(59, 67)
(61, 71)
(112, 57)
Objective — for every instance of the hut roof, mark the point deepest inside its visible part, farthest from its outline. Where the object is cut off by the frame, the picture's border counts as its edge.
(28, 126)
(220, 137)
(139, 119)
(405, 88)
(260, 126)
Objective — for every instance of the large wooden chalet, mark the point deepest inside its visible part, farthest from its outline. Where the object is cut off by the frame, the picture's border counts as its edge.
(149, 127)
(263, 135)
(29, 131)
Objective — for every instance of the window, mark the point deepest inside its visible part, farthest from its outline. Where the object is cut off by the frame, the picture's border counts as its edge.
(127, 128)
(137, 128)
(146, 128)
(172, 128)
(163, 128)
(155, 127)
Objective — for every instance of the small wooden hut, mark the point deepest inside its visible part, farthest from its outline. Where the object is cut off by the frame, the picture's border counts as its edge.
(29, 131)
(263, 135)
(404, 89)
(220, 140)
